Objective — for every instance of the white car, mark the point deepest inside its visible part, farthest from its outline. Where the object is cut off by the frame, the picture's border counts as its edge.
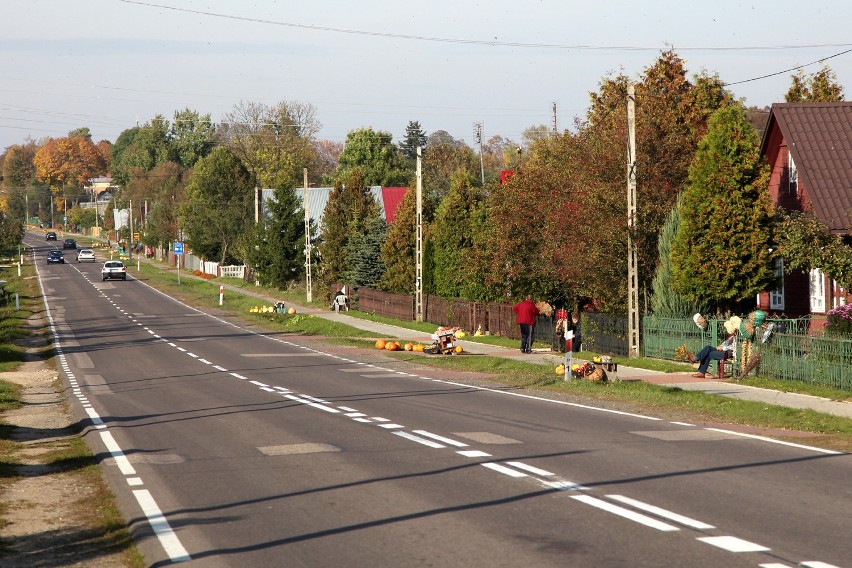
(85, 255)
(113, 269)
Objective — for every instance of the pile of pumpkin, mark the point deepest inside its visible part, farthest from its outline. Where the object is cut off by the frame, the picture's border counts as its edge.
(268, 310)
(393, 345)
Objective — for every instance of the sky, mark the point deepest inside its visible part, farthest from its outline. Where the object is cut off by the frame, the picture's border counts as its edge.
(449, 64)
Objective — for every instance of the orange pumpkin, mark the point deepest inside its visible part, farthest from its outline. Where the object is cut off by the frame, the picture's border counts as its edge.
(409, 346)
(391, 346)
(459, 349)
(380, 344)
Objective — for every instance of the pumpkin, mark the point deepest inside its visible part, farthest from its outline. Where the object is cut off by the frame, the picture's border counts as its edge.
(560, 370)
(380, 344)
(391, 346)
(291, 311)
(409, 347)
(459, 349)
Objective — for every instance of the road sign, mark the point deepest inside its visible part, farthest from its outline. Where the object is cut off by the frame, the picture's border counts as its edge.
(178, 248)
(136, 237)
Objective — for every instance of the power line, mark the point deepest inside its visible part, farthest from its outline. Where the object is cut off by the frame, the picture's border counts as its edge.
(492, 43)
(786, 70)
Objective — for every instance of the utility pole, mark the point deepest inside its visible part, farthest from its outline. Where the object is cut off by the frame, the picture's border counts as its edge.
(632, 262)
(477, 133)
(555, 129)
(418, 248)
(257, 191)
(308, 283)
(130, 236)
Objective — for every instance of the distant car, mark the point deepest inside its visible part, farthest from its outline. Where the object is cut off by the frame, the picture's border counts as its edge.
(113, 269)
(69, 244)
(55, 257)
(85, 255)
(50, 236)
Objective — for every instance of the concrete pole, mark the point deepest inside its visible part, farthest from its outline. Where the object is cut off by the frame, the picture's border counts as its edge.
(308, 253)
(418, 254)
(632, 261)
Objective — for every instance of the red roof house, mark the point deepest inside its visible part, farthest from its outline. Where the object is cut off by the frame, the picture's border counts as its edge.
(809, 149)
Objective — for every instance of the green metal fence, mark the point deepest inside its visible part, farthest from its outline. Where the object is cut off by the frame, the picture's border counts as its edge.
(814, 360)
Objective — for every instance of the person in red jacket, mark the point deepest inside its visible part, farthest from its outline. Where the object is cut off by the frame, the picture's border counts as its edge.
(525, 314)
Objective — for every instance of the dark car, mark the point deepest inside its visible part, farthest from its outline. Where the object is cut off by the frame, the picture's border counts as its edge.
(50, 236)
(69, 244)
(55, 256)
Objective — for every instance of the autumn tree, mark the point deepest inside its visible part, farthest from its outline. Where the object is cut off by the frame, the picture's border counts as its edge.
(721, 253)
(819, 87)
(374, 153)
(328, 158)
(164, 189)
(443, 158)
(66, 165)
(18, 173)
(219, 205)
(274, 142)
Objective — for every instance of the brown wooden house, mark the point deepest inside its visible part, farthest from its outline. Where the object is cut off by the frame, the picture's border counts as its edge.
(809, 148)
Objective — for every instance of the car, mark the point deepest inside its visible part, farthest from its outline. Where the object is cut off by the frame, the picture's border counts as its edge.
(85, 255)
(113, 269)
(55, 257)
(69, 244)
(50, 236)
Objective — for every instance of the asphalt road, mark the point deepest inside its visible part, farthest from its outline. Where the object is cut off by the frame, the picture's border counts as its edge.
(227, 447)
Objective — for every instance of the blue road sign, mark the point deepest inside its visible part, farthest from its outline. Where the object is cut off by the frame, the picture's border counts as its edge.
(178, 248)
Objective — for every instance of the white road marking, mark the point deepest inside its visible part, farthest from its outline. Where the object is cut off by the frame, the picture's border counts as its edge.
(315, 399)
(447, 441)
(134, 481)
(347, 409)
(391, 426)
(531, 469)
(237, 375)
(117, 454)
(258, 383)
(782, 442)
(218, 368)
(733, 544)
(168, 539)
(473, 454)
(380, 419)
(626, 513)
(680, 519)
(355, 414)
(419, 440)
(504, 470)
(817, 564)
(364, 420)
(564, 485)
(683, 423)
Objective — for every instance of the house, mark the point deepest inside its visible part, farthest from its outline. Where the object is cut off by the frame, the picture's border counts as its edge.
(388, 199)
(809, 149)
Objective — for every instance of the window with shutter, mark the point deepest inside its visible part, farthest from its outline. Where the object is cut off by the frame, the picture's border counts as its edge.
(817, 286)
(776, 297)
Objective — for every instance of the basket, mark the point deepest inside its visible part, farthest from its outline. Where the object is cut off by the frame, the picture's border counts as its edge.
(598, 375)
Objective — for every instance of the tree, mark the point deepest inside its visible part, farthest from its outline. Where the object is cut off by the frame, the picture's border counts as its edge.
(664, 301)
(328, 158)
(376, 156)
(819, 87)
(142, 149)
(451, 237)
(274, 142)
(721, 254)
(192, 137)
(279, 252)
(804, 242)
(398, 249)
(164, 188)
(65, 165)
(441, 161)
(219, 204)
(414, 136)
(364, 266)
(347, 210)
(82, 132)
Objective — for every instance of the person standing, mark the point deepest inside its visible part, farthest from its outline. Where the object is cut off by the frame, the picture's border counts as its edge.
(525, 314)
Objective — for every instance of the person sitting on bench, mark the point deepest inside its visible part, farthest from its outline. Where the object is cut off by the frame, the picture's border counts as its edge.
(709, 353)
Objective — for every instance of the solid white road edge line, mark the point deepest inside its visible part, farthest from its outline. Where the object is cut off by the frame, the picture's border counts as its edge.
(168, 539)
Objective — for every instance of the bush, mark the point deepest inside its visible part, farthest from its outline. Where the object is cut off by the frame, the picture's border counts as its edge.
(839, 321)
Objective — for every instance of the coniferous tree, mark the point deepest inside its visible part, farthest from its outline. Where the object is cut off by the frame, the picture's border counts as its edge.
(451, 236)
(414, 136)
(364, 266)
(664, 301)
(279, 254)
(398, 250)
(721, 253)
(820, 87)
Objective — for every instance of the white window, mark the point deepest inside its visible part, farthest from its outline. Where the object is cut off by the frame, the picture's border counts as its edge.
(793, 176)
(838, 295)
(817, 286)
(776, 297)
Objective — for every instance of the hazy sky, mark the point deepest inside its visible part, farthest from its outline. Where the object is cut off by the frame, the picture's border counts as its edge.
(107, 64)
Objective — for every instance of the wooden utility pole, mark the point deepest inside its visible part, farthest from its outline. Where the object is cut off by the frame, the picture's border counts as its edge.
(632, 262)
(418, 248)
(308, 283)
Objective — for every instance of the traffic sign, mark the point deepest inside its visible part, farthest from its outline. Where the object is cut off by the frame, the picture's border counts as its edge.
(178, 248)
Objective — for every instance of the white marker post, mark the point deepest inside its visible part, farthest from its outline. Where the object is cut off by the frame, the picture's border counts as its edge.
(569, 340)
(221, 294)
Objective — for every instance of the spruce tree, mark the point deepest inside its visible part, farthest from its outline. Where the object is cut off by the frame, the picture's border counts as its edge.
(279, 252)
(414, 136)
(364, 266)
(398, 250)
(721, 253)
(665, 302)
(451, 236)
